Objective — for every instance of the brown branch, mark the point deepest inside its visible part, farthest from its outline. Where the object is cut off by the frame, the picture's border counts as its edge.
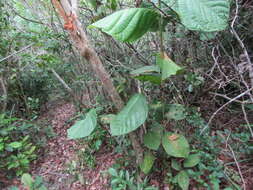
(23, 49)
(81, 42)
(245, 52)
(21, 16)
(230, 101)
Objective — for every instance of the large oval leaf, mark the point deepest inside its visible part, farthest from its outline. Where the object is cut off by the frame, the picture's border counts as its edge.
(204, 15)
(175, 145)
(131, 117)
(83, 128)
(127, 25)
(152, 140)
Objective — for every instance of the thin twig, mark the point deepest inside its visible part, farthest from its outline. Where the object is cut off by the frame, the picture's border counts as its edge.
(246, 119)
(16, 52)
(235, 159)
(242, 44)
(238, 166)
(230, 101)
(27, 19)
(228, 98)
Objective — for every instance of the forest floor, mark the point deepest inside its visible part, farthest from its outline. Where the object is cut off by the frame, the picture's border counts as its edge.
(58, 164)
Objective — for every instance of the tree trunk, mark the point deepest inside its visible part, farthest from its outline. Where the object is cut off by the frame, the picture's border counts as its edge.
(81, 42)
(4, 89)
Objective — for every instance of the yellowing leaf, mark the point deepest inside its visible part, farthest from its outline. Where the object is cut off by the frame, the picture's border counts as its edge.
(177, 147)
(173, 137)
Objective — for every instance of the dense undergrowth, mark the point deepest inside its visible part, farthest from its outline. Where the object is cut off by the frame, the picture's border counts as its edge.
(197, 131)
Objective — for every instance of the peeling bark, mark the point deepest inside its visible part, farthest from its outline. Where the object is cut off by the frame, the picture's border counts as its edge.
(81, 42)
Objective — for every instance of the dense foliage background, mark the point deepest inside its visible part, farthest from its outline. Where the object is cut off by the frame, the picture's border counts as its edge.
(202, 100)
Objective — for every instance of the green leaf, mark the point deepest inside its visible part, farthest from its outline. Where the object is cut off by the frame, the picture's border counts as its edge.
(27, 180)
(183, 180)
(215, 184)
(84, 127)
(168, 67)
(204, 15)
(172, 3)
(15, 144)
(127, 25)
(175, 145)
(92, 3)
(192, 160)
(176, 112)
(148, 73)
(249, 106)
(147, 163)
(132, 116)
(175, 165)
(152, 140)
(145, 69)
(112, 172)
(1, 146)
(153, 78)
(207, 36)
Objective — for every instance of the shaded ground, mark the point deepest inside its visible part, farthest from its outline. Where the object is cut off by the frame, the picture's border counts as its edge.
(55, 165)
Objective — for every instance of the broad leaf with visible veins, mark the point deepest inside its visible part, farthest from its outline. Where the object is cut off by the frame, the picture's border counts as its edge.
(204, 15)
(83, 128)
(127, 25)
(132, 116)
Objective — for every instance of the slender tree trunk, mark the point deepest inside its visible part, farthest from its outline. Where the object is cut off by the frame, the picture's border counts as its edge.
(64, 84)
(81, 42)
(4, 89)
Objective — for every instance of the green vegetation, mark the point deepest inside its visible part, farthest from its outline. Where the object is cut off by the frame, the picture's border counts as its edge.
(162, 87)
